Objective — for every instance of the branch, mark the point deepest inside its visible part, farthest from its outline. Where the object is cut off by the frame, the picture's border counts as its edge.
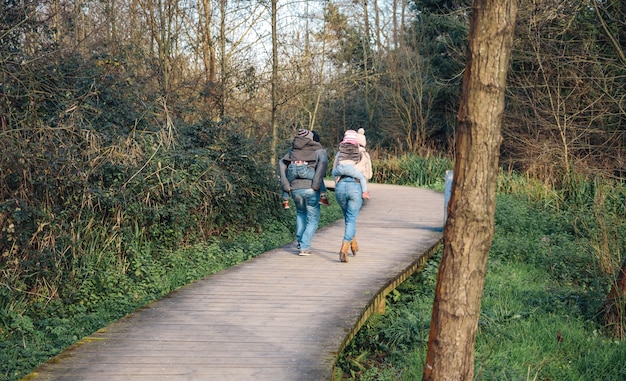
(617, 46)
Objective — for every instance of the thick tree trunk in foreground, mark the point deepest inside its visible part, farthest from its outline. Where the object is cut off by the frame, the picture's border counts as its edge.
(470, 224)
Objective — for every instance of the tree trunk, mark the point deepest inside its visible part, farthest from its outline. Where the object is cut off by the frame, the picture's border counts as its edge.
(274, 120)
(615, 307)
(207, 44)
(224, 75)
(469, 229)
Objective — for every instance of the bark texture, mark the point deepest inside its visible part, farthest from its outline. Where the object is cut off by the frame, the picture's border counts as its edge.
(614, 311)
(469, 228)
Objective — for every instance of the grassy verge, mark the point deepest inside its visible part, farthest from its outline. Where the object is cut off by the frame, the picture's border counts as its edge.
(530, 329)
(549, 270)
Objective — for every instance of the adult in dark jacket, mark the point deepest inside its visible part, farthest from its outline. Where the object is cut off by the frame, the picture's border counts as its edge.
(308, 154)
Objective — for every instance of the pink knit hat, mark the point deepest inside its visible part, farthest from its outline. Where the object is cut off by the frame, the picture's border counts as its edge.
(350, 137)
(361, 137)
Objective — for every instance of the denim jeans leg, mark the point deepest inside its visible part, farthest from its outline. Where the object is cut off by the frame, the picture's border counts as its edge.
(300, 203)
(299, 171)
(312, 218)
(348, 195)
(291, 172)
(307, 203)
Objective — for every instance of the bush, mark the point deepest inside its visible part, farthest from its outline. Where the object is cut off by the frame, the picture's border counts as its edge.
(412, 170)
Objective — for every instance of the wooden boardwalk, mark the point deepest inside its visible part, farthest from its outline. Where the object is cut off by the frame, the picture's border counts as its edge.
(276, 317)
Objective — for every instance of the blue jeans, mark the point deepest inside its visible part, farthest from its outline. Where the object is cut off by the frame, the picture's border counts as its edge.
(349, 198)
(307, 215)
(300, 171)
(350, 170)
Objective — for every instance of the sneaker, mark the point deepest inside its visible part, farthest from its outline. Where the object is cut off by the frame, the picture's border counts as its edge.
(304, 252)
(324, 200)
(285, 204)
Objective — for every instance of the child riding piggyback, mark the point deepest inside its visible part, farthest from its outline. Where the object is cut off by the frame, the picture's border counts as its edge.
(298, 161)
(352, 160)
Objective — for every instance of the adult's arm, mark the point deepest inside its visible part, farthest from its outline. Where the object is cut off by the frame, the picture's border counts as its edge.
(320, 169)
(282, 172)
(335, 164)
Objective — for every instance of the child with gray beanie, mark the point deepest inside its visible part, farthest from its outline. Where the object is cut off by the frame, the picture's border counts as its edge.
(299, 169)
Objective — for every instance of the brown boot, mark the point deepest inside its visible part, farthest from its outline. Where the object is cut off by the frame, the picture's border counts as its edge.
(354, 246)
(343, 252)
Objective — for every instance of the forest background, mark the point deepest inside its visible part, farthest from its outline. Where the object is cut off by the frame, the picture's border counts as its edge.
(131, 128)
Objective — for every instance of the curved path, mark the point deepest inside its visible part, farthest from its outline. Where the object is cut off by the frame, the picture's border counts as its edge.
(277, 316)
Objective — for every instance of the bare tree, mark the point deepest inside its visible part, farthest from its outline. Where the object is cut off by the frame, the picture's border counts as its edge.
(470, 225)
(567, 103)
(409, 94)
(274, 84)
(370, 93)
(164, 23)
(207, 42)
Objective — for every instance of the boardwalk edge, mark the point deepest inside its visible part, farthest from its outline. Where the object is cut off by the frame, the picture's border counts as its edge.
(377, 304)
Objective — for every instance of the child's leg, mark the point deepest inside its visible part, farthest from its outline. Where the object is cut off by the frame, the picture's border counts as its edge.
(291, 172)
(323, 198)
(285, 197)
(310, 174)
(350, 170)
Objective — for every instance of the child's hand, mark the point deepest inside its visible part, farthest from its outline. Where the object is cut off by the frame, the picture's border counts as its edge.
(366, 195)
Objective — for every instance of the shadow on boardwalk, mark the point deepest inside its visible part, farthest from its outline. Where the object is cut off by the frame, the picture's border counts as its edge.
(276, 317)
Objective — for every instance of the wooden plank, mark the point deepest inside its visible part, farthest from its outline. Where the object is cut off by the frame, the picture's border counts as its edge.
(278, 316)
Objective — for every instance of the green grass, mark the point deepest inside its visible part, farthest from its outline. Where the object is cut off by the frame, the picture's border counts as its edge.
(530, 329)
(547, 279)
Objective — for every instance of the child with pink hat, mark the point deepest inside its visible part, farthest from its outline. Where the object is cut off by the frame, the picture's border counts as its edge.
(347, 158)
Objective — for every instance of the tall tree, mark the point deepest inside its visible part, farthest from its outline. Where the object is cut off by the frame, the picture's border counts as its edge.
(224, 74)
(274, 121)
(439, 36)
(163, 23)
(469, 229)
(370, 95)
(207, 43)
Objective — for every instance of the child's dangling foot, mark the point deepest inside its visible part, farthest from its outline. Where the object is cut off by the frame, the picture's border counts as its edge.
(324, 199)
(366, 195)
(285, 204)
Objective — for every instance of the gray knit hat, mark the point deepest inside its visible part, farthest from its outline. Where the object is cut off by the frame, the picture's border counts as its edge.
(305, 134)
